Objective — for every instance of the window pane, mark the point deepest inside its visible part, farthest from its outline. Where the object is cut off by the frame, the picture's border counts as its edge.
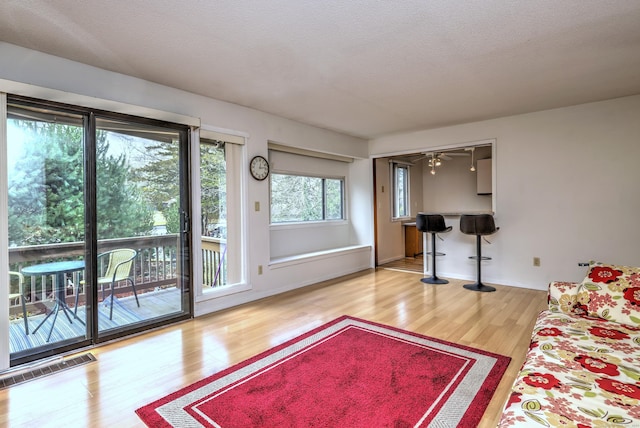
(213, 216)
(334, 199)
(46, 217)
(46, 183)
(138, 212)
(295, 198)
(401, 191)
(298, 198)
(213, 176)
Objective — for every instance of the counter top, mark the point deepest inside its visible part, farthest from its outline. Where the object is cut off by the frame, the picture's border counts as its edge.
(459, 213)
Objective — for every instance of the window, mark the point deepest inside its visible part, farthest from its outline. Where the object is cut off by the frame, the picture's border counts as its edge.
(400, 191)
(219, 269)
(299, 198)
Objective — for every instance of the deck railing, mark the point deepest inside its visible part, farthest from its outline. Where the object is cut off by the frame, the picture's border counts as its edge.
(214, 273)
(156, 266)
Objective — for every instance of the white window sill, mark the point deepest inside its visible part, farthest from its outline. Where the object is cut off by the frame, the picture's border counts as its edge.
(307, 224)
(282, 262)
(215, 293)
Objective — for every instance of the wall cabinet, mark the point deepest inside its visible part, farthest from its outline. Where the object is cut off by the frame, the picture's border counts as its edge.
(483, 176)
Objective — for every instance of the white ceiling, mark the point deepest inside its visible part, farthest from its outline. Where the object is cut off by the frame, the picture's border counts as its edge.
(361, 67)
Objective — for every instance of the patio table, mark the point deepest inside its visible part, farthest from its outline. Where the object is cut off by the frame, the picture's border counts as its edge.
(59, 269)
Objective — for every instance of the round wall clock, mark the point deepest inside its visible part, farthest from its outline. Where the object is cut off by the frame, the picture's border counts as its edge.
(259, 168)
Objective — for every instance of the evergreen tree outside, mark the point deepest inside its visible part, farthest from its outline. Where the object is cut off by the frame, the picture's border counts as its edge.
(295, 198)
(334, 199)
(213, 187)
(46, 186)
(122, 208)
(299, 198)
(158, 177)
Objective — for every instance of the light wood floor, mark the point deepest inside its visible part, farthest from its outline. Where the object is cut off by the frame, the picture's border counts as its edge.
(133, 372)
(411, 264)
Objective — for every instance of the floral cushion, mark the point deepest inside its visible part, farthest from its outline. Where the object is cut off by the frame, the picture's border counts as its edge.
(614, 292)
(567, 297)
(580, 371)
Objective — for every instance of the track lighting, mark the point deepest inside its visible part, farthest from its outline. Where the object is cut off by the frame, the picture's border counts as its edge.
(473, 168)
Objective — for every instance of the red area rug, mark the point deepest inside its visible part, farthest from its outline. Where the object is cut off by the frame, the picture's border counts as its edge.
(347, 373)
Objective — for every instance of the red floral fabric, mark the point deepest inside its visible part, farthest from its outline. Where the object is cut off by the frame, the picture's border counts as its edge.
(621, 388)
(596, 365)
(613, 293)
(581, 370)
(604, 274)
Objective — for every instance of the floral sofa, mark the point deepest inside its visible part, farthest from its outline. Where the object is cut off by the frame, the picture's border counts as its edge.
(583, 365)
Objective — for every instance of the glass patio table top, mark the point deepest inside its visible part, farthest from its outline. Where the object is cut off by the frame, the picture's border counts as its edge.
(59, 269)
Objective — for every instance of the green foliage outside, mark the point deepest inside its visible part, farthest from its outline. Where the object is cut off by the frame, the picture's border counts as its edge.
(213, 188)
(334, 199)
(46, 185)
(46, 188)
(296, 198)
(159, 180)
(137, 177)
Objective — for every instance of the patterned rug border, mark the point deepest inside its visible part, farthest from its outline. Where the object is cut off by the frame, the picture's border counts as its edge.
(150, 415)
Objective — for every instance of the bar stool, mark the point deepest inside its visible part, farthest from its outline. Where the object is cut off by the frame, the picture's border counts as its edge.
(479, 225)
(433, 224)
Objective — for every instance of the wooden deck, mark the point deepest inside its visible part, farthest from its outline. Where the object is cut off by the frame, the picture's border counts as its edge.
(125, 312)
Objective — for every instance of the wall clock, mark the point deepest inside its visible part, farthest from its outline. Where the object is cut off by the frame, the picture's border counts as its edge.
(259, 168)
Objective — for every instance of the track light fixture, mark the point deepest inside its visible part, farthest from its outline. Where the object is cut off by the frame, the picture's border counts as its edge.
(473, 167)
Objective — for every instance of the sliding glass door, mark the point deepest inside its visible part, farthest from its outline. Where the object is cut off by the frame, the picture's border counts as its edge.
(98, 226)
(140, 224)
(46, 187)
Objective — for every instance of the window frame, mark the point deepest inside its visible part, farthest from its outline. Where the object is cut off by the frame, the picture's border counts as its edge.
(235, 156)
(406, 191)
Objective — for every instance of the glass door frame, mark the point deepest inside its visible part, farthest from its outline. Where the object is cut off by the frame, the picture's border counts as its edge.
(92, 337)
(185, 261)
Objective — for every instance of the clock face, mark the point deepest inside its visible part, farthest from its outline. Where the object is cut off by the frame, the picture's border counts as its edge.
(259, 168)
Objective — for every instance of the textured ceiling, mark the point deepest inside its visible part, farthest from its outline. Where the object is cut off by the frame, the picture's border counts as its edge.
(362, 67)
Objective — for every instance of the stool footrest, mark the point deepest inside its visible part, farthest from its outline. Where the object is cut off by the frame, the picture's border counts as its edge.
(437, 253)
(481, 258)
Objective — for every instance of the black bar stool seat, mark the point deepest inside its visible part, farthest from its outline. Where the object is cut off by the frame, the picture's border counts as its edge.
(433, 224)
(479, 225)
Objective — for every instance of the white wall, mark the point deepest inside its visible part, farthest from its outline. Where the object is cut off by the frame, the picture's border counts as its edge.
(46, 71)
(453, 189)
(567, 191)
